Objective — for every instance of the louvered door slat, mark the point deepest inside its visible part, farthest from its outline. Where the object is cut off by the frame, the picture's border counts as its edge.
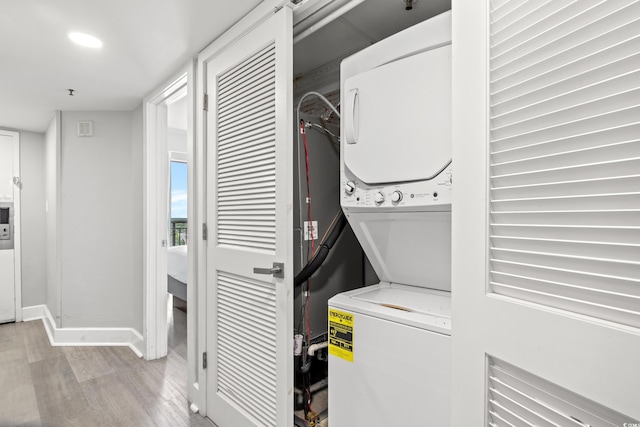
(249, 349)
(569, 41)
(242, 146)
(613, 234)
(237, 73)
(571, 19)
(514, 394)
(255, 386)
(523, 16)
(258, 383)
(503, 8)
(244, 120)
(598, 139)
(263, 168)
(249, 157)
(623, 117)
(603, 267)
(565, 158)
(593, 171)
(246, 116)
(574, 84)
(246, 359)
(562, 19)
(258, 335)
(570, 158)
(256, 81)
(620, 57)
(260, 97)
(245, 187)
(578, 248)
(582, 94)
(571, 188)
(236, 178)
(578, 278)
(586, 111)
(245, 143)
(242, 130)
(576, 49)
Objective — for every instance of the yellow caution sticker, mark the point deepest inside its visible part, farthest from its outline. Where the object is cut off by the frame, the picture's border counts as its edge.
(341, 334)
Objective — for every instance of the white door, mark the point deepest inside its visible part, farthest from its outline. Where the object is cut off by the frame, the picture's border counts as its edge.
(249, 215)
(9, 225)
(546, 213)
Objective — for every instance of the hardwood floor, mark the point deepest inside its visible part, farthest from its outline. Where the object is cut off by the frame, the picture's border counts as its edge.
(49, 386)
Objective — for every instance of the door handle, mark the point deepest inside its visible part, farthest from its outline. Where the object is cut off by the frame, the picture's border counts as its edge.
(277, 270)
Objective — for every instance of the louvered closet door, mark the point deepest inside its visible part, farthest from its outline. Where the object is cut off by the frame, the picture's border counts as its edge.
(546, 268)
(250, 195)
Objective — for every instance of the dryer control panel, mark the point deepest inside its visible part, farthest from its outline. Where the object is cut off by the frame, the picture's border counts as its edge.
(434, 192)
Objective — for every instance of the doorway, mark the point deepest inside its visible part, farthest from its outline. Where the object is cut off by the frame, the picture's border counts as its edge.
(177, 229)
(169, 104)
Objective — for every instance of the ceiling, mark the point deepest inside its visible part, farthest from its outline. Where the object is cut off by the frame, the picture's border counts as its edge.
(365, 24)
(145, 42)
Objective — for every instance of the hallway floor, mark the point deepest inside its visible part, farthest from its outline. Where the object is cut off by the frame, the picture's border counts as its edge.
(41, 385)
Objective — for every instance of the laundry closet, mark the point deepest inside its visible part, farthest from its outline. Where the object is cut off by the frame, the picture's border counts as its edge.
(279, 245)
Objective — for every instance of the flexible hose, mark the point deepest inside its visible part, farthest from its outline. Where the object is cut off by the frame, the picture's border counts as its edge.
(322, 252)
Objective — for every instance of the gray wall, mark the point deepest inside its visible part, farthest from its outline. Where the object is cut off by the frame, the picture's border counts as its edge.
(52, 182)
(34, 228)
(137, 180)
(101, 221)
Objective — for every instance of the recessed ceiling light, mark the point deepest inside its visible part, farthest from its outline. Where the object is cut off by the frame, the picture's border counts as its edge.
(85, 40)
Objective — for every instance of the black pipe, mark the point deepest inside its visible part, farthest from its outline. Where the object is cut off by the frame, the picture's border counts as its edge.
(313, 265)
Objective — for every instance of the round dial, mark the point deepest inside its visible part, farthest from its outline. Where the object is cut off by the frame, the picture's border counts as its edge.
(396, 196)
(349, 187)
(379, 197)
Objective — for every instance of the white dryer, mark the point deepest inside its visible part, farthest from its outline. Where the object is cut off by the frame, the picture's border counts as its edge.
(389, 344)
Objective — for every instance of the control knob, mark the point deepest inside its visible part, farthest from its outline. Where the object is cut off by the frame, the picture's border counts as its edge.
(379, 197)
(396, 196)
(349, 187)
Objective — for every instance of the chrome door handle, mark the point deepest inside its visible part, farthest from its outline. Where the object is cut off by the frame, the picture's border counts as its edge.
(277, 270)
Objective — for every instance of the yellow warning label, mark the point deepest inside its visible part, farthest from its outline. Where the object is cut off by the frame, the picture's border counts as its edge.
(341, 334)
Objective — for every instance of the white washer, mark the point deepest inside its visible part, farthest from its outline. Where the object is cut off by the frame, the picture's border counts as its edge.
(401, 369)
(390, 344)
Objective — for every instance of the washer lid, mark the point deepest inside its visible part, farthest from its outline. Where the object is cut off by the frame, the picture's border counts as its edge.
(422, 308)
(397, 119)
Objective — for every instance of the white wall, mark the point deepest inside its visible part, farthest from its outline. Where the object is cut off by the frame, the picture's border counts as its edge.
(52, 183)
(102, 221)
(177, 114)
(177, 140)
(33, 217)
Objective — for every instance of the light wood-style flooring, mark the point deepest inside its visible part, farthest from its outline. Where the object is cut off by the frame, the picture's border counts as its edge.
(47, 386)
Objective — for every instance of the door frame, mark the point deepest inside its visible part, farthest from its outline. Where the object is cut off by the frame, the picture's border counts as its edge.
(155, 200)
(17, 240)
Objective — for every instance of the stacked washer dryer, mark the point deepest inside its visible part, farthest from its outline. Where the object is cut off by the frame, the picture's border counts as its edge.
(390, 344)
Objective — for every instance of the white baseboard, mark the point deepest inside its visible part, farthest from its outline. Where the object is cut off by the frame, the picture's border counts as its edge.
(32, 313)
(85, 336)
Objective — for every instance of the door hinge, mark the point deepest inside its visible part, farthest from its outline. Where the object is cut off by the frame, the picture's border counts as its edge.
(205, 231)
(205, 102)
(204, 360)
